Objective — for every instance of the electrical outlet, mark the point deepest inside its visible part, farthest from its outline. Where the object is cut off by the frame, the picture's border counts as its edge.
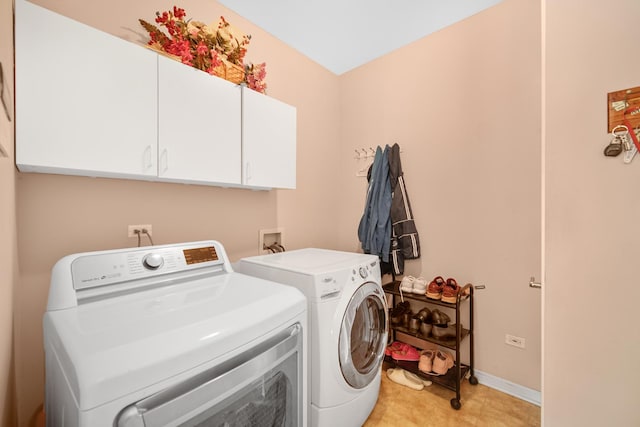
(514, 341)
(132, 229)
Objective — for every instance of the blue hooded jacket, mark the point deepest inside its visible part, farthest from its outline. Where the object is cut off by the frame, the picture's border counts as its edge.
(374, 230)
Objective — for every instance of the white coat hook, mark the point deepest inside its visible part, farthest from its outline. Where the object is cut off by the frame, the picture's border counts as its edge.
(363, 155)
(358, 156)
(373, 152)
(534, 284)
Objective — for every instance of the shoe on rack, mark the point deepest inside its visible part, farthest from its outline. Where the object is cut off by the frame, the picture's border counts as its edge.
(406, 285)
(434, 290)
(409, 353)
(405, 378)
(395, 346)
(444, 333)
(442, 362)
(414, 324)
(426, 360)
(395, 316)
(406, 319)
(439, 318)
(420, 286)
(425, 329)
(424, 314)
(397, 313)
(450, 291)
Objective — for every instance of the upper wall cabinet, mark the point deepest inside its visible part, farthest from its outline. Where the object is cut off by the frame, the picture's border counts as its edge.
(199, 121)
(86, 102)
(89, 103)
(268, 141)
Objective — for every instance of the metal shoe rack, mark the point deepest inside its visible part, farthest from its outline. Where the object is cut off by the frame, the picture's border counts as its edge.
(454, 376)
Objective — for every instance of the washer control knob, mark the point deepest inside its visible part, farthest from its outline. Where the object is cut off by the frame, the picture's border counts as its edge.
(363, 272)
(152, 261)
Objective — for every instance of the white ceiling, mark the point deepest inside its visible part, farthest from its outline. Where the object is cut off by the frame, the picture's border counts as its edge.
(344, 34)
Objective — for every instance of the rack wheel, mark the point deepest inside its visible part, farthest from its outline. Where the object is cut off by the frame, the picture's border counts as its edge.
(473, 380)
(455, 403)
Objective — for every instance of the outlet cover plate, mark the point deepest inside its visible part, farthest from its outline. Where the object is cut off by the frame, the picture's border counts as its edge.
(514, 341)
(131, 229)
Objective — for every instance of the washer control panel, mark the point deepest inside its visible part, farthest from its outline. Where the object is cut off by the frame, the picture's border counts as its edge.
(331, 284)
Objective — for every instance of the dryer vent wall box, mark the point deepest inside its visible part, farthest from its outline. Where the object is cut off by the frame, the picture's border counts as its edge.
(271, 241)
(111, 314)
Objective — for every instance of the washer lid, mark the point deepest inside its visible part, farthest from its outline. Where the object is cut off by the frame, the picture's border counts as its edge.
(312, 261)
(113, 347)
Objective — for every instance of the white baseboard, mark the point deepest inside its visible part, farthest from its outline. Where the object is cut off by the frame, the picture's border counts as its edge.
(516, 390)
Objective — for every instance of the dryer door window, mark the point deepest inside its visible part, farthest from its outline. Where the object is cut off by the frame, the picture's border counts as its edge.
(262, 386)
(363, 335)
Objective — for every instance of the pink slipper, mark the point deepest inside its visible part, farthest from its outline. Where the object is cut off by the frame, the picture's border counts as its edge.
(395, 346)
(409, 354)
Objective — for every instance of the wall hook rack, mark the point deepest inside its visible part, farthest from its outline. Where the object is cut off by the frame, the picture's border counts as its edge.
(367, 155)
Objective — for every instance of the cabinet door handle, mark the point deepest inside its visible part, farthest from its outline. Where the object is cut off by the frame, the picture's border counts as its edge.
(534, 284)
(147, 158)
(164, 160)
(248, 173)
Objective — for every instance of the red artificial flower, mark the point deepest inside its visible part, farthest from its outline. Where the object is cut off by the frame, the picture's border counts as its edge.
(200, 47)
(179, 13)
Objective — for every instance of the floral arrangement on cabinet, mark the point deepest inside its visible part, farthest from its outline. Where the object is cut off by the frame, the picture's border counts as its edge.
(219, 50)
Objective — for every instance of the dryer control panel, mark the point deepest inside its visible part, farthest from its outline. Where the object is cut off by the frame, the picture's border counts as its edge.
(123, 269)
(104, 269)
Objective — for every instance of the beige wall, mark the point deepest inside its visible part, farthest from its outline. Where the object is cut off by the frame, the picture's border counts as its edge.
(464, 106)
(8, 248)
(471, 169)
(592, 344)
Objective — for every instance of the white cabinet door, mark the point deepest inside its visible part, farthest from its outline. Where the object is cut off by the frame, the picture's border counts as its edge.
(268, 141)
(199, 125)
(85, 100)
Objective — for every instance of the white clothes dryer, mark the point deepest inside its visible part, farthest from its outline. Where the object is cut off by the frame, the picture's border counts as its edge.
(171, 336)
(348, 323)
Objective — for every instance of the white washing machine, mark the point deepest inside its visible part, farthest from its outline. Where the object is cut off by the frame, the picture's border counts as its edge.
(348, 323)
(172, 336)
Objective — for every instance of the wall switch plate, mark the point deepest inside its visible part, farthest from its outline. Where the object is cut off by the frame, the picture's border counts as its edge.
(131, 231)
(514, 341)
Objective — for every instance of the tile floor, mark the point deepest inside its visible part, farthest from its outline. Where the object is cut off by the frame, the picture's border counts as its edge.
(400, 406)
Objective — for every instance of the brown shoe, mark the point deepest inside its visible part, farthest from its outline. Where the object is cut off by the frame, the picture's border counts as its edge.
(450, 291)
(439, 318)
(414, 324)
(434, 290)
(397, 313)
(444, 333)
(424, 314)
(425, 329)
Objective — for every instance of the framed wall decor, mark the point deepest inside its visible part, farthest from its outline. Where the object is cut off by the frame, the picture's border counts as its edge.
(623, 107)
